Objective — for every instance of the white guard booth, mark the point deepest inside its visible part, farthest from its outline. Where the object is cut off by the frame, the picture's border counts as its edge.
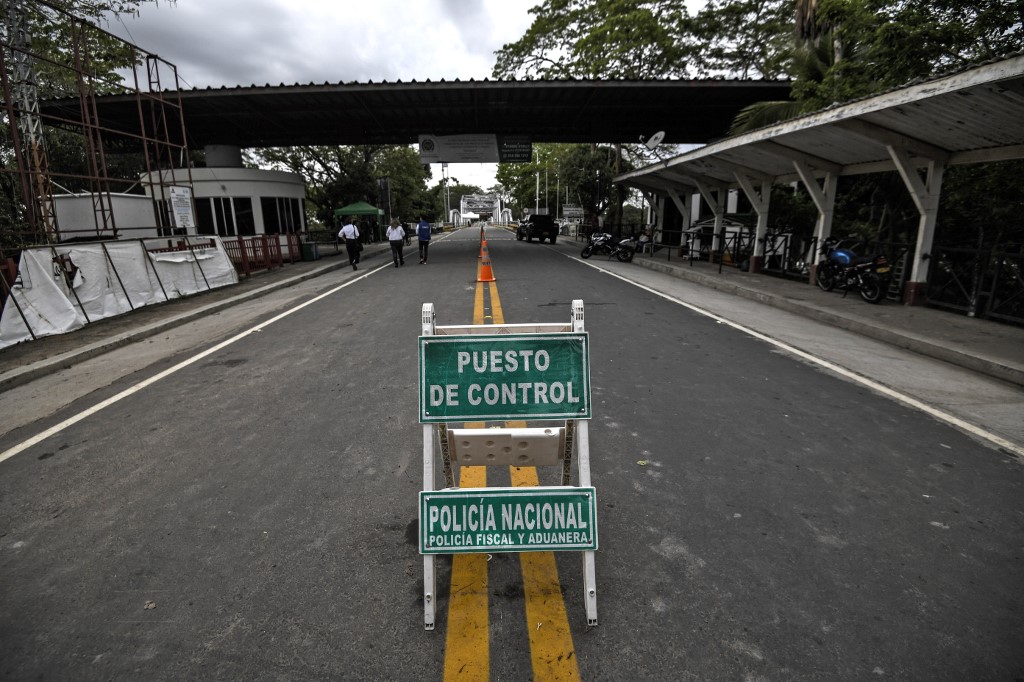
(506, 372)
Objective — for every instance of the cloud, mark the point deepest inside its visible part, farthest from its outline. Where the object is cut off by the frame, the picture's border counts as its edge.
(256, 42)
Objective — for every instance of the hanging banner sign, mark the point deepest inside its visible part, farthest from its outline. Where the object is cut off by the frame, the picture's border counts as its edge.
(482, 148)
(512, 376)
(515, 149)
(467, 520)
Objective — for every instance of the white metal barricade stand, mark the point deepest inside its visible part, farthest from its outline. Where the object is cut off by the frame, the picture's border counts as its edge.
(508, 447)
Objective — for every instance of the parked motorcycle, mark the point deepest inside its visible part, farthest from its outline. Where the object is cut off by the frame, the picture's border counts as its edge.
(604, 244)
(600, 244)
(869, 275)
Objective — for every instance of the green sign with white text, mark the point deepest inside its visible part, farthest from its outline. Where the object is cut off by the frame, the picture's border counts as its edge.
(467, 520)
(510, 376)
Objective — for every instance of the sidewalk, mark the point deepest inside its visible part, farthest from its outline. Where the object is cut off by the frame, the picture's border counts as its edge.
(982, 346)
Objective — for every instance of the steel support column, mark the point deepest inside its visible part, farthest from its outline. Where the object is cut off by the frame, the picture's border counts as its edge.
(824, 197)
(925, 194)
(760, 201)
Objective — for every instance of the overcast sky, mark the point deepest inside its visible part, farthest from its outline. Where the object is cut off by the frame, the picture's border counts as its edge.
(255, 42)
(216, 43)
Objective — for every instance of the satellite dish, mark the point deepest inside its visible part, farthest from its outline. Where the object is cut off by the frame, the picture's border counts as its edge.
(655, 140)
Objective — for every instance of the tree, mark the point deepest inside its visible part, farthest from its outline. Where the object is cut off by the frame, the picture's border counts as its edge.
(863, 47)
(599, 39)
(656, 39)
(983, 205)
(59, 41)
(581, 172)
(741, 38)
(635, 40)
(336, 176)
(846, 49)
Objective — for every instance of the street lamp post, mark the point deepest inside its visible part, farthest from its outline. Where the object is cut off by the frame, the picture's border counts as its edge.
(447, 192)
(536, 208)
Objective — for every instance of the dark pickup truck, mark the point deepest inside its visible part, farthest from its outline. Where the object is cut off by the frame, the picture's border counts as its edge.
(537, 226)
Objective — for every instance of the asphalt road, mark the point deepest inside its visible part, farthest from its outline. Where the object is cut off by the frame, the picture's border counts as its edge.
(252, 514)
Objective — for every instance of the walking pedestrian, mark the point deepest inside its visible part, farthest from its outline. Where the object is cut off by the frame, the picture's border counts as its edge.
(350, 233)
(423, 234)
(396, 237)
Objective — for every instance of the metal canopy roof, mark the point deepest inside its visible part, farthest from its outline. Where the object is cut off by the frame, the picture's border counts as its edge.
(971, 116)
(390, 113)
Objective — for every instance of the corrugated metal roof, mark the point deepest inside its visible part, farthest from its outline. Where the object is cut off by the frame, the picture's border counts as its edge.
(975, 114)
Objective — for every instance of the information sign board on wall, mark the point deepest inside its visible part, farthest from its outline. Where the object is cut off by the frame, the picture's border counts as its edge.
(181, 207)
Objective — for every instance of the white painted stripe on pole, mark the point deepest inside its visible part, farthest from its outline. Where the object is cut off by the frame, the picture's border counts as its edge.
(821, 362)
(57, 428)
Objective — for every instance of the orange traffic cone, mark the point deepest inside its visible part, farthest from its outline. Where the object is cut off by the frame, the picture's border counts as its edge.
(485, 273)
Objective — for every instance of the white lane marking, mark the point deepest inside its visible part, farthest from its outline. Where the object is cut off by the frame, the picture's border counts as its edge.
(57, 428)
(946, 417)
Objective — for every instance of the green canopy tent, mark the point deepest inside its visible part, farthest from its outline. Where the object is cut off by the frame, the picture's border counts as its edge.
(361, 208)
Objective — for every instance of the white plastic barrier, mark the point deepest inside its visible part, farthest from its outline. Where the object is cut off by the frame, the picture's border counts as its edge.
(62, 287)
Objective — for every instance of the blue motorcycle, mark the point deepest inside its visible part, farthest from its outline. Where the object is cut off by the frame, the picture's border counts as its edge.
(843, 267)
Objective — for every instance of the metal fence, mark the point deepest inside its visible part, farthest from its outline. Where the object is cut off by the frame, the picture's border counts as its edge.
(986, 282)
(983, 282)
(262, 252)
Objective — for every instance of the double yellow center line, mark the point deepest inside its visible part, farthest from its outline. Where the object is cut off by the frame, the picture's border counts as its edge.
(467, 648)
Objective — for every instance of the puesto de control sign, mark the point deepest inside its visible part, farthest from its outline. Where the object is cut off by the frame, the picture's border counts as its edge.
(514, 376)
(466, 520)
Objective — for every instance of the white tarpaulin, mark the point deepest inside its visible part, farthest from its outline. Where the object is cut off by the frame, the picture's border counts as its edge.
(106, 279)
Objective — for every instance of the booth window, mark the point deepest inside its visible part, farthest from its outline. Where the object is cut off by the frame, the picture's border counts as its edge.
(224, 215)
(204, 217)
(244, 218)
(281, 215)
(271, 221)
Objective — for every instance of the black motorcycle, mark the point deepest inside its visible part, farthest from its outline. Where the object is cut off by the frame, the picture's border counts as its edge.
(604, 244)
(869, 275)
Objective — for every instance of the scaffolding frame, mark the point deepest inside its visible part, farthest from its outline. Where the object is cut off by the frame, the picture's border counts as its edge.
(72, 82)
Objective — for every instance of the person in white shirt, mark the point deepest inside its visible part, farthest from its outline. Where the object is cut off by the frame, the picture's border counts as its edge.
(350, 233)
(396, 237)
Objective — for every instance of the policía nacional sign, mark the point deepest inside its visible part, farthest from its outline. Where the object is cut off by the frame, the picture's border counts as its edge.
(467, 520)
(512, 376)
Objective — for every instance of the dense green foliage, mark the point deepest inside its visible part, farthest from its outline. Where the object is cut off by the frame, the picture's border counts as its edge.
(874, 45)
(633, 40)
(338, 176)
(833, 50)
(595, 38)
(576, 174)
(655, 39)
